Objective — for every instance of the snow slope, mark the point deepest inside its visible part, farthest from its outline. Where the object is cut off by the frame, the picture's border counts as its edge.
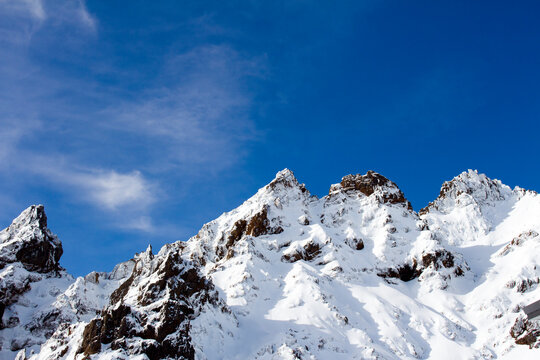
(356, 274)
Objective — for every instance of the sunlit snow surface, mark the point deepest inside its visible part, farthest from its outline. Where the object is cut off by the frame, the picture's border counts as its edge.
(335, 305)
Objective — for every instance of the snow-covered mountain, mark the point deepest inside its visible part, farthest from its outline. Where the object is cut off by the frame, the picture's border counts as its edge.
(37, 296)
(357, 274)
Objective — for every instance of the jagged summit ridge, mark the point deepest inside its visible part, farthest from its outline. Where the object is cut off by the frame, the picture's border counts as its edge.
(372, 183)
(467, 188)
(150, 313)
(356, 274)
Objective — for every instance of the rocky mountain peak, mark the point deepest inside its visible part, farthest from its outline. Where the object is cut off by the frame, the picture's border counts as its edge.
(469, 187)
(34, 215)
(285, 179)
(473, 183)
(28, 241)
(372, 183)
(29, 253)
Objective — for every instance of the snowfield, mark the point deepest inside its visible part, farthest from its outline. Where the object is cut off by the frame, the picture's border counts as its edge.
(356, 274)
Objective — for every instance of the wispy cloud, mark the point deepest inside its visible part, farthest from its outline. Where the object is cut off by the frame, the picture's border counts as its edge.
(117, 152)
(24, 8)
(84, 16)
(124, 196)
(11, 132)
(108, 189)
(200, 111)
(41, 11)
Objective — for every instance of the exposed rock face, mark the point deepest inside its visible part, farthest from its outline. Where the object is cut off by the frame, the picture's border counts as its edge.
(259, 225)
(526, 332)
(519, 241)
(28, 241)
(436, 260)
(373, 183)
(307, 252)
(10, 291)
(150, 313)
(357, 244)
(255, 226)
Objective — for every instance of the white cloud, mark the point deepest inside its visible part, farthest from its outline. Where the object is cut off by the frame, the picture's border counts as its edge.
(127, 197)
(113, 190)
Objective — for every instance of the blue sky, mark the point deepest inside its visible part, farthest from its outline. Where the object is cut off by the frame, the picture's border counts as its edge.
(137, 122)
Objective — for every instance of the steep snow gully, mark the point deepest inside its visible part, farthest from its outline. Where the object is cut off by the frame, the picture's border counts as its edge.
(356, 274)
